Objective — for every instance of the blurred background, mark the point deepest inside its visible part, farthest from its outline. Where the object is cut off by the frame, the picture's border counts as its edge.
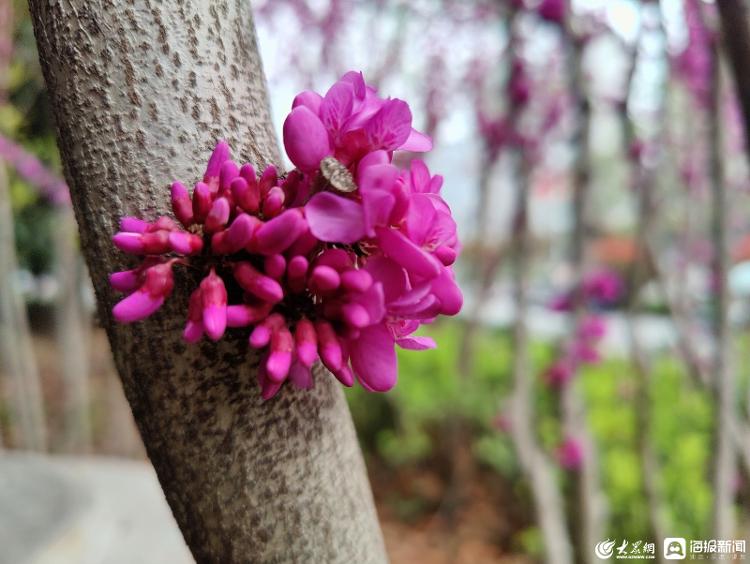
(595, 386)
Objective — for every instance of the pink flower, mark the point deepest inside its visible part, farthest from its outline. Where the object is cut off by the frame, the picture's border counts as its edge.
(570, 454)
(560, 373)
(315, 274)
(604, 287)
(349, 122)
(552, 11)
(694, 64)
(601, 288)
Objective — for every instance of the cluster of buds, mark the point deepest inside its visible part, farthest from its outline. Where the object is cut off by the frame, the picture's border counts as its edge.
(338, 261)
(598, 289)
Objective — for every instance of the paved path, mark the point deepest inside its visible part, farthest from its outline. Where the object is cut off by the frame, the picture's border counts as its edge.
(56, 510)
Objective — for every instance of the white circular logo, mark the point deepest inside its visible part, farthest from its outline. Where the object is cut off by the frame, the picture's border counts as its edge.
(605, 549)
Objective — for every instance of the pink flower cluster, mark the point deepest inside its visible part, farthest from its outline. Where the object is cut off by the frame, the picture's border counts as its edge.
(340, 260)
(33, 171)
(695, 63)
(599, 289)
(570, 454)
(582, 349)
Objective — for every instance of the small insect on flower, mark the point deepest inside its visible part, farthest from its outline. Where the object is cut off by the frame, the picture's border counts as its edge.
(337, 175)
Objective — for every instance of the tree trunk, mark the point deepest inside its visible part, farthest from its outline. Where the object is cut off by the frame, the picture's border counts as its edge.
(142, 90)
(17, 360)
(725, 456)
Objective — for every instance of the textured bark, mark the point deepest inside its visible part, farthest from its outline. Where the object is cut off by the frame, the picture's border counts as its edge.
(17, 360)
(588, 511)
(141, 90)
(643, 186)
(537, 467)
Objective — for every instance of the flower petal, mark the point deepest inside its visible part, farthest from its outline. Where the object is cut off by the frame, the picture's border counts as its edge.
(305, 139)
(138, 305)
(334, 219)
(417, 142)
(403, 251)
(336, 107)
(390, 127)
(373, 357)
(416, 343)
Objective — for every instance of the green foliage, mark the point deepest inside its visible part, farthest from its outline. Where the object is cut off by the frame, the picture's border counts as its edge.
(409, 425)
(27, 119)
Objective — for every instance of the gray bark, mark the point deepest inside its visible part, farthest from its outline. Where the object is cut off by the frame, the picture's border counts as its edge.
(537, 468)
(141, 91)
(588, 512)
(17, 360)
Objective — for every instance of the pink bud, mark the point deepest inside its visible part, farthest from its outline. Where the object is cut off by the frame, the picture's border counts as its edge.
(329, 346)
(194, 327)
(297, 273)
(242, 315)
(125, 280)
(275, 265)
(137, 306)
(280, 357)
(162, 223)
(227, 173)
(257, 284)
(246, 195)
(446, 255)
(345, 376)
(248, 173)
(218, 216)
(261, 335)
(157, 285)
(307, 342)
(220, 154)
(159, 280)
(356, 280)
(214, 306)
(324, 279)
(129, 242)
(355, 315)
(278, 234)
(236, 236)
(274, 202)
(338, 259)
(268, 388)
(305, 139)
(185, 243)
(267, 179)
(156, 243)
(133, 225)
(304, 244)
(202, 201)
(182, 206)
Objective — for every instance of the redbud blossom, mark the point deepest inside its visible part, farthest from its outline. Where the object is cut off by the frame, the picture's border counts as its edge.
(338, 261)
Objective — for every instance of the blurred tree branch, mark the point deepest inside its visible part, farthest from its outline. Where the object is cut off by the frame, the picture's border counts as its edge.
(735, 30)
